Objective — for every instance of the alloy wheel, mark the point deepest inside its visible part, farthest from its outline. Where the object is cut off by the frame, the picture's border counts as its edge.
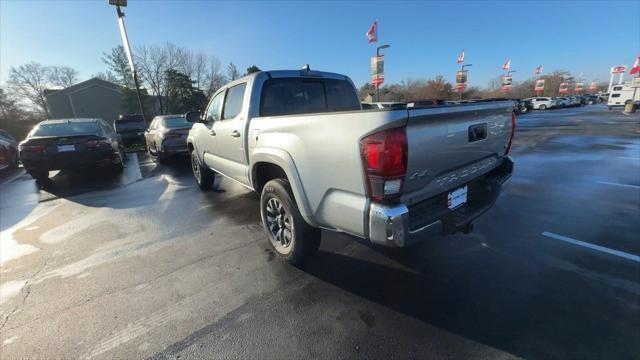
(279, 222)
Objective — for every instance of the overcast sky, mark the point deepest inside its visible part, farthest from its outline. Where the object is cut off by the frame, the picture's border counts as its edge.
(425, 37)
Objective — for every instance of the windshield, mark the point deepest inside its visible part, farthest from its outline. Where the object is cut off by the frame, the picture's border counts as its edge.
(176, 122)
(66, 129)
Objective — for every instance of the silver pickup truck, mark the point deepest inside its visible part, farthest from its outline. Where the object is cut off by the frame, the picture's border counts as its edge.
(395, 177)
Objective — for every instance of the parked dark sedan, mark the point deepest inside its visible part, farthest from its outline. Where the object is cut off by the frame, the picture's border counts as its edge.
(131, 129)
(68, 144)
(167, 136)
(8, 151)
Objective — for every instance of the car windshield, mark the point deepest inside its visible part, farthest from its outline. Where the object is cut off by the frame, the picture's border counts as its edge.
(130, 124)
(66, 129)
(176, 122)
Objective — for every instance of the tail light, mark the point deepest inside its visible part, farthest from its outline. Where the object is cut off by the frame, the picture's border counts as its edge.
(384, 156)
(513, 133)
(30, 148)
(92, 144)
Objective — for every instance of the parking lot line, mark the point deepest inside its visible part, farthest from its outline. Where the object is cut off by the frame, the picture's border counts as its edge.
(619, 253)
(618, 184)
(629, 157)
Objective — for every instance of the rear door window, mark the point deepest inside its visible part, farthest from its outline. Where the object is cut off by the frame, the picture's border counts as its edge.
(233, 101)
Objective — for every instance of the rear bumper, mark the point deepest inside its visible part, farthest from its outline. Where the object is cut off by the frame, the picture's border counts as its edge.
(402, 226)
(131, 138)
(80, 159)
(174, 146)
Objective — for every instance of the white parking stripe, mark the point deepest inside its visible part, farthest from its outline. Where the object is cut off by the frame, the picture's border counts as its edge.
(618, 184)
(622, 254)
(629, 157)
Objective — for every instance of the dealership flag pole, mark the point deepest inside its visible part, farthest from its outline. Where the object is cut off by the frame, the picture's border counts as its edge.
(127, 50)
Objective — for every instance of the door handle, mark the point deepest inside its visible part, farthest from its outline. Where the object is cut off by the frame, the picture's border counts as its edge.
(212, 132)
(235, 133)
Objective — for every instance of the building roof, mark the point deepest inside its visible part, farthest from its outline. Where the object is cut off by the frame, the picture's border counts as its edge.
(87, 83)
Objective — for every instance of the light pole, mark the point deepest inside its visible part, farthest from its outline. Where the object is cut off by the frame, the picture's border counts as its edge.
(377, 57)
(127, 49)
(463, 72)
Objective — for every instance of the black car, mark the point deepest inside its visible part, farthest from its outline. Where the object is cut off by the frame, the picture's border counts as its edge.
(520, 106)
(69, 144)
(8, 151)
(131, 129)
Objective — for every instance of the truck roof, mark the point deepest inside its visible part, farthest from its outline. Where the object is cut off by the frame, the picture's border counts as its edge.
(293, 73)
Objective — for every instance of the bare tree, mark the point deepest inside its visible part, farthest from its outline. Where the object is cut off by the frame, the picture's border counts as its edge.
(152, 62)
(63, 76)
(30, 81)
(199, 69)
(232, 72)
(213, 79)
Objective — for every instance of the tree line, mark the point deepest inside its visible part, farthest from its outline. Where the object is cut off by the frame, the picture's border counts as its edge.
(173, 79)
(441, 89)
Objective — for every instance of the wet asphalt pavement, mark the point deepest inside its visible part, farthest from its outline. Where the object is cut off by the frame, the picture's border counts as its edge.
(146, 265)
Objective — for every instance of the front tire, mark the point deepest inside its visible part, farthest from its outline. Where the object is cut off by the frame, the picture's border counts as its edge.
(543, 107)
(39, 175)
(13, 159)
(289, 235)
(204, 176)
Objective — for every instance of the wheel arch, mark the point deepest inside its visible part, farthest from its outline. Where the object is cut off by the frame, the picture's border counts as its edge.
(270, 163)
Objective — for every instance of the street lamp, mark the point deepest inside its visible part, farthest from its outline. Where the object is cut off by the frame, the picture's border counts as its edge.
(377, 56)
(127, 49)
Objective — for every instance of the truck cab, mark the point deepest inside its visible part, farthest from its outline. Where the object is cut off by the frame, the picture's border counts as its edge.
(394, 176)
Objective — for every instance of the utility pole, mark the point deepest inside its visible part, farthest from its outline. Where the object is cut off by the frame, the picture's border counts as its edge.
(127, 50)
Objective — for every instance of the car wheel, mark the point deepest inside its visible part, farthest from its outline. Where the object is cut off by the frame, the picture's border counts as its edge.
(543, 107)
(13, 159)
(289, 235)
(39, 175)
(204, 176)
(119, 167)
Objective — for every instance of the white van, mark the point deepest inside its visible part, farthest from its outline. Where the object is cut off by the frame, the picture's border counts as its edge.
(622, 94)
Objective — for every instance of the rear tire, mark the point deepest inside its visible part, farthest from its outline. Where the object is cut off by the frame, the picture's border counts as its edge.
(204, 176)
(39, 175)
(13, 159)
(542, 107)
(117, 168)
(289, 235)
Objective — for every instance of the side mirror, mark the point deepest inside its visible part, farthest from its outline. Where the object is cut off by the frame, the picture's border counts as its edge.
(192, 116)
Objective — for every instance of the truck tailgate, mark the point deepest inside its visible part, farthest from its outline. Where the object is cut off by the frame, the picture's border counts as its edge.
(450, 146)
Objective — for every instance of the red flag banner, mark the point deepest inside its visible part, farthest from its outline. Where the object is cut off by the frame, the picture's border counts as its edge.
(461, 77)
(539, 85)
(506, 65)
(460, 87)
(461, 57)
(377, 70)
(564, 88)
(372, 34)
(635, 69)
(592, 86)
(506, 82)
(579, 87)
